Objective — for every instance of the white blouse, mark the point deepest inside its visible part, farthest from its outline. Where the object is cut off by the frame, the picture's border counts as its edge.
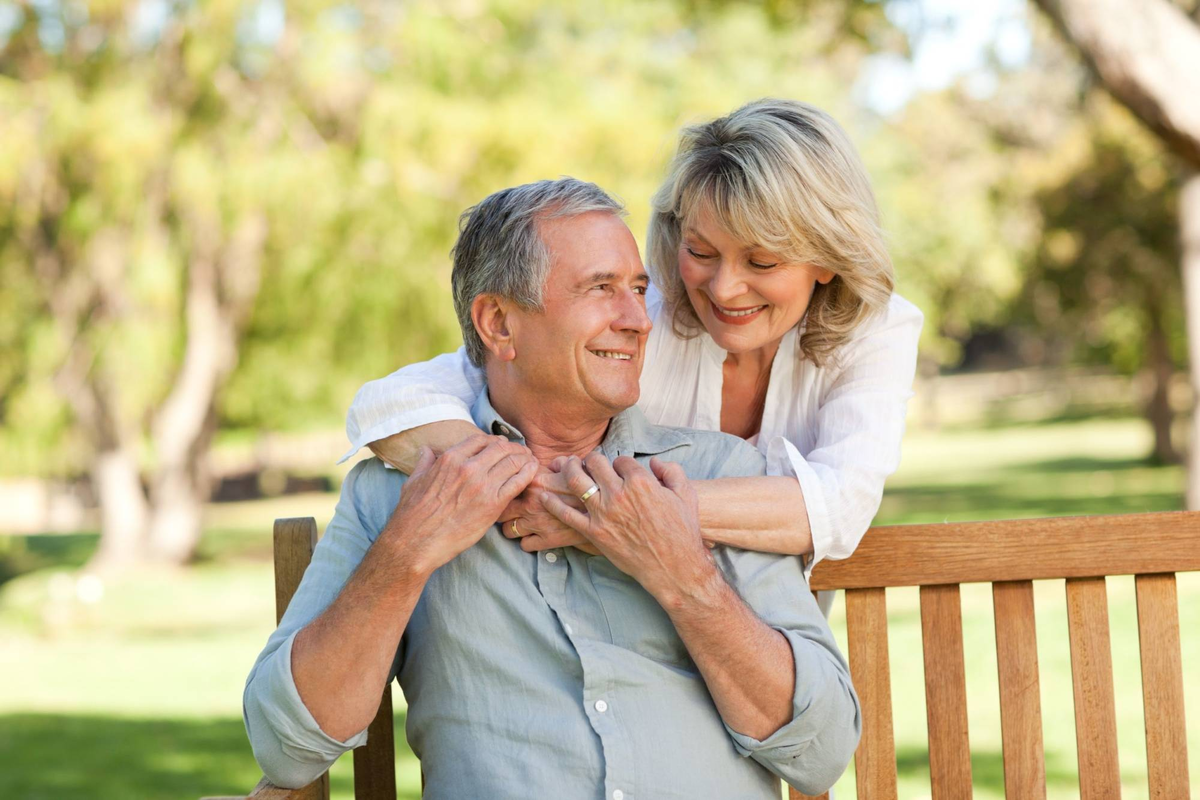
(836, 428)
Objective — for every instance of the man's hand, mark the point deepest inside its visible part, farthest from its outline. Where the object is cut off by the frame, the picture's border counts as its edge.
(528, 520)
(645, 521)
(450, 501)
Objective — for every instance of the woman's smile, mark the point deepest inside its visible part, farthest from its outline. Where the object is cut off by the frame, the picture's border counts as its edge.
(736, 316)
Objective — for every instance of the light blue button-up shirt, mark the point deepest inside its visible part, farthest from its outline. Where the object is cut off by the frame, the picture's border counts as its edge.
(556, 675)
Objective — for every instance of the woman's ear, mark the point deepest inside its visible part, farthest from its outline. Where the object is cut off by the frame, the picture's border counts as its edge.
(823, 275)
(493, 321)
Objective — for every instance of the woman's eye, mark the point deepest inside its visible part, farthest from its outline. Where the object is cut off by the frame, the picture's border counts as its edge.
(756, 265)
(694, 254)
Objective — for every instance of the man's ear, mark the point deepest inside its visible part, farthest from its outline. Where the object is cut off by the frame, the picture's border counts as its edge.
(493, 321)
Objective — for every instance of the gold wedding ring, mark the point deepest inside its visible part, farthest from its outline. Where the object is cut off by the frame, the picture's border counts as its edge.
(584, 497)
(516, 532)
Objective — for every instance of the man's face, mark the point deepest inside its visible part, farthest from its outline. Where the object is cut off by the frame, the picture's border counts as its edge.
(583, 354)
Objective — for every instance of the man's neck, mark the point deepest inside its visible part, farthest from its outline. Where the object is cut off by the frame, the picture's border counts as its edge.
(550, 429)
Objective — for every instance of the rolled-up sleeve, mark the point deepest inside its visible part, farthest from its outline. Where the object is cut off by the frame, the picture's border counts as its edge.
(812, 750)
(440, 389)
(859, 427)
(288, 744)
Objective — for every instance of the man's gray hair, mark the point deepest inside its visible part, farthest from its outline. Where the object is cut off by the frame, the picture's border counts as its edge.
(500, 251)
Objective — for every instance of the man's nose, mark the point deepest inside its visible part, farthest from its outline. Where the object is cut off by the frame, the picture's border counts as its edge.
(633, 316)
(727, 283)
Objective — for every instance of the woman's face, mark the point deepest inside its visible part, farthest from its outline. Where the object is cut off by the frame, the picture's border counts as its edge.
(747, 297)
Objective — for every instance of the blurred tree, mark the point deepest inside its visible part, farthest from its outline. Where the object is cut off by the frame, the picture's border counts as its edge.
(231, 213)
(1105, 273)
(1147, 54)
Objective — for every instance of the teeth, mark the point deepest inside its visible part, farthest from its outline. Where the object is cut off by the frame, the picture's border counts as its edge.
(745, 313)
(611, 354)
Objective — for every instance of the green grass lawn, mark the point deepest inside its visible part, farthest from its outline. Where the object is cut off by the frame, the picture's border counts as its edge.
(137, 693)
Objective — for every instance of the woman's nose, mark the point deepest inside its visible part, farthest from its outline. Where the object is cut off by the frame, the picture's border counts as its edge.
(727, 283)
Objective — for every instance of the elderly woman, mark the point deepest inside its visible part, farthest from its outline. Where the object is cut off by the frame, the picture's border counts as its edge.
(774, 320)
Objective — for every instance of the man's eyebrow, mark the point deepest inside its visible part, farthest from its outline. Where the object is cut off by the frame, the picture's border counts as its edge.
(609, 277)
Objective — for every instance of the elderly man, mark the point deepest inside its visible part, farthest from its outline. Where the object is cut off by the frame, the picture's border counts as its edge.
(657, 668)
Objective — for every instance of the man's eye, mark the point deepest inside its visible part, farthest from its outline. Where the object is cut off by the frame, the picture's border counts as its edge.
(640, 289)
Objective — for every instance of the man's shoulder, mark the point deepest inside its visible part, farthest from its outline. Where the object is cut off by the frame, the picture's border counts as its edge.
(372, 488)
(711, 454)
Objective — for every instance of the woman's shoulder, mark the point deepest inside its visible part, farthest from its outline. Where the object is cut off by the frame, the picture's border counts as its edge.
(899, 322)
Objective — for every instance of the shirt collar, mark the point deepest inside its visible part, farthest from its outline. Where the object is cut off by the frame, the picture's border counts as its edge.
(629, 432)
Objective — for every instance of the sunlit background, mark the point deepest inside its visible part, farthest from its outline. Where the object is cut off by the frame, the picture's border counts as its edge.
(218, 219)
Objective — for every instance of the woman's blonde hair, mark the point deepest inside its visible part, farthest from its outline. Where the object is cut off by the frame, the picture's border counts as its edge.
(781, 175)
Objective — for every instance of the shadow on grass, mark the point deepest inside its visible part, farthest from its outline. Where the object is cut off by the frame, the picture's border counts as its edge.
(69, 757)
(987, 768)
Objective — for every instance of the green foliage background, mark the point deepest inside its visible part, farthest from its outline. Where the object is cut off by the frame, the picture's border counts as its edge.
(360, 132)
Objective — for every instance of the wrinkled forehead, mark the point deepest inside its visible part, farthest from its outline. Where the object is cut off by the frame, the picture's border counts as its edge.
(588, 245)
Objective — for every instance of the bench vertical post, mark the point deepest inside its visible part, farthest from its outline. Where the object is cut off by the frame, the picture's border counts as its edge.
(295, 540)
(945, 691)
(1020, 697)
(867, 635)
(1162, 685)
(1092, 673)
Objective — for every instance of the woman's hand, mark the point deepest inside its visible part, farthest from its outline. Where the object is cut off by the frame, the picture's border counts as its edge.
(646, 521)
(527, 519)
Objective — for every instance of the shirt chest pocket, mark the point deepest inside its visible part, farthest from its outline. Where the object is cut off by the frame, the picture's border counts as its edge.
(635, 619)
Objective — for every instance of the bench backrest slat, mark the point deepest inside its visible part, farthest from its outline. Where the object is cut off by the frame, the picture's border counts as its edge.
(945, 691)
(867, 638)
(1091, 671)
(1017, 550)
(1162, 685)
(295, 540)
(1020, 694)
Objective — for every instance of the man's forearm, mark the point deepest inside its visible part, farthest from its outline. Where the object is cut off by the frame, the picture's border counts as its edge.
(341, 660)
(401, 450)
(747, 665)
(766, 514)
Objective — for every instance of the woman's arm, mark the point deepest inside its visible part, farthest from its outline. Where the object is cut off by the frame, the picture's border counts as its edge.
(766, 514)
(443, 388)
(401, 449)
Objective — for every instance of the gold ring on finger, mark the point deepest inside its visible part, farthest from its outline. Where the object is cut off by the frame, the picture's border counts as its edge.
(584, 497)
(516, 532)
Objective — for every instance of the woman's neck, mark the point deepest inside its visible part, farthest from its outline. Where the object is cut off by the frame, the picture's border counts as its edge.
(745, 380)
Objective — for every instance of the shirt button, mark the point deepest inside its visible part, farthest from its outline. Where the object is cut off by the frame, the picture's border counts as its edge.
(567, 628)
(601, 706)
(618, 794)
(551, 557)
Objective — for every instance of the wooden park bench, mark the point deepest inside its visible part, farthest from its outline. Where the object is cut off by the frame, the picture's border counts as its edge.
(938, 558)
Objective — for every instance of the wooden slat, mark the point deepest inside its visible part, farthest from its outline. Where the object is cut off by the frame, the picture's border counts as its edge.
(945, 692)
(1020, 698)
(1162, 686)
(866, 630)
(1091, 668)
(295, 539)
(375, 762)
(795, 794)
(1017, 550)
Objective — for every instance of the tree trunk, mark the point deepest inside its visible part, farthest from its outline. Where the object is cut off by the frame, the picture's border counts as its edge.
(123, 510)
(1147, 54)
(222, 285)
(1158, 408)
(1189, 227)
